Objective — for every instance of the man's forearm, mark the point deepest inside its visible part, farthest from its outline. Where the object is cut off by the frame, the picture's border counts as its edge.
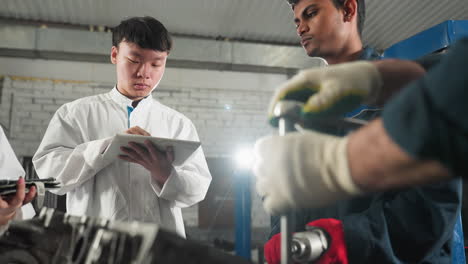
(395, 74)
(376, 163)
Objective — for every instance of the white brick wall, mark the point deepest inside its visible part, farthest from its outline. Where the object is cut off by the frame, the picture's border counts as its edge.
(228, 108)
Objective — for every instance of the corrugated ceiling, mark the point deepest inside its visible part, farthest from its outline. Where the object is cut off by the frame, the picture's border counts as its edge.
(388, 21)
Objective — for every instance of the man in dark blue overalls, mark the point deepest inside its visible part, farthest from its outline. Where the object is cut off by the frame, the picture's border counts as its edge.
(413, 225)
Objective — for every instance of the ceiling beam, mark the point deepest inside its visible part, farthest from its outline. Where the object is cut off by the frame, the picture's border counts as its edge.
(81, 45)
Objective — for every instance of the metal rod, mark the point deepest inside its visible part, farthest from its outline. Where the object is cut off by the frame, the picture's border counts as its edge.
(286, 223)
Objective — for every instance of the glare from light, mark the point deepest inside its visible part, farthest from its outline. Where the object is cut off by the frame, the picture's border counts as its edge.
(227, 107)
(244, 158)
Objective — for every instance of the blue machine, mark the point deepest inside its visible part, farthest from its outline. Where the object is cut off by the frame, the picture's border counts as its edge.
(429, 41)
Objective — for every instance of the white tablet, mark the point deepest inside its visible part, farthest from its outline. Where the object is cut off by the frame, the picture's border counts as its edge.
(183, 149)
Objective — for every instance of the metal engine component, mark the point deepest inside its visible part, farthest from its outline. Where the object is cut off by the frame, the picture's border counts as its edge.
(310, 245)
(56, 238)
(288, 114)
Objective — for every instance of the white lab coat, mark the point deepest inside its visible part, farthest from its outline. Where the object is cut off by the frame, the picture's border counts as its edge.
(11, 169)
(72, 151)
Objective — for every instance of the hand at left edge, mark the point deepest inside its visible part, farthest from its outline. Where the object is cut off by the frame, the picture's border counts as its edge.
(8, 206)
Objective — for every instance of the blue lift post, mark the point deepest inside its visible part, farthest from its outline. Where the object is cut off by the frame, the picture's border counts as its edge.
(243, 205)
(426, 42)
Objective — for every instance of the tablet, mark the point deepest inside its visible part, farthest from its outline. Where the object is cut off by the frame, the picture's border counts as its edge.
(183, 149)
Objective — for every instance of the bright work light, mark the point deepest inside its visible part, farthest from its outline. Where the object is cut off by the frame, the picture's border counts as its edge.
(244, 158)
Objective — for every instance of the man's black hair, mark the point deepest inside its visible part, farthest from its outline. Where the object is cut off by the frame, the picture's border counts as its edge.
(339, 4)
(146, 32)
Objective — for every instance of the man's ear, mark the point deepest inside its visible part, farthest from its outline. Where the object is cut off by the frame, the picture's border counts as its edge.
(113, 55)
(349, 10)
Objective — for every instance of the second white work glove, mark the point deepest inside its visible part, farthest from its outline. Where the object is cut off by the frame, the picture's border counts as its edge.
(330, 91)
(302, 170)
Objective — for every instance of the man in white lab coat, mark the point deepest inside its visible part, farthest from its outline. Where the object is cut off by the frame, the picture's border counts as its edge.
(10, 169)
(143, 185)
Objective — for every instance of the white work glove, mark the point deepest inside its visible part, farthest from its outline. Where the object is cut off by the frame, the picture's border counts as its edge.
(330, 91)
(302, 170)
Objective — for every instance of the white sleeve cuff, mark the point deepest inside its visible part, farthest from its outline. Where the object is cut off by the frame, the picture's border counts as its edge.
(162, 191)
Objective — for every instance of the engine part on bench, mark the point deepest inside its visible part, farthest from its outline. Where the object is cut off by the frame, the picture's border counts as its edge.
(55, 237)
